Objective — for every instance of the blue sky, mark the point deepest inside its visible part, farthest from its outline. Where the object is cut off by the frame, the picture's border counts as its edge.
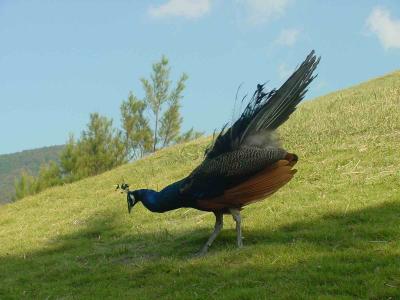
(62, 60)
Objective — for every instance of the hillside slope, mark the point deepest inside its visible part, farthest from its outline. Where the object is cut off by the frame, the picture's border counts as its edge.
(332, 232)
(11, 166)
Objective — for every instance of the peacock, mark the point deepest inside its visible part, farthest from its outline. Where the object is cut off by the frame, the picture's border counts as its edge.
(245, 163)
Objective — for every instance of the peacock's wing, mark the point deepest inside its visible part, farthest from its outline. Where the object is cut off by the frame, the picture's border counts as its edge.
(213, 176)
(257, 187)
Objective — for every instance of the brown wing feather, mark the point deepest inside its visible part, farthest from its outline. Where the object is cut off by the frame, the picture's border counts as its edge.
(257, 187)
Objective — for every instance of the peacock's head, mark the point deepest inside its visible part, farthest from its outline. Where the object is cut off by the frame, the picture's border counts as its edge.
(130, 195)
(132, 200)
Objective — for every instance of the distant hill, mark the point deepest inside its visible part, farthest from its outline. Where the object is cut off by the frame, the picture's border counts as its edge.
(11, 166)
(331, 233)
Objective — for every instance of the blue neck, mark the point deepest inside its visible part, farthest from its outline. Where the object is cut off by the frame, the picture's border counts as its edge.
(165, 200)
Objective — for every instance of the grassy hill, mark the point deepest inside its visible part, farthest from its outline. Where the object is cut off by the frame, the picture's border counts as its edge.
(331, 233)
(11, 166)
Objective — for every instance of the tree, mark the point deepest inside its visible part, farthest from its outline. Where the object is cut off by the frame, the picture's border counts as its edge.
(49, 175)
(170, 124)
(171, 120)
(189, 135)
(164, 104)
(157, 93)
(68, 160)
(24, 186)
(138, 137)
(100, 148)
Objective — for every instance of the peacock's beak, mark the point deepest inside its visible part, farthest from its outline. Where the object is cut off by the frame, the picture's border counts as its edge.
(130, 198)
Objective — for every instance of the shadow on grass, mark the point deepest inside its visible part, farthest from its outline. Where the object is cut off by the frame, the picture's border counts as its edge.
(353, 255)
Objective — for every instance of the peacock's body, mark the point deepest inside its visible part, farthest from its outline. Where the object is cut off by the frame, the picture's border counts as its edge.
(244, 164)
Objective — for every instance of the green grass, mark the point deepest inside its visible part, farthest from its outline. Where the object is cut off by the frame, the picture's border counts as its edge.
(332, 233)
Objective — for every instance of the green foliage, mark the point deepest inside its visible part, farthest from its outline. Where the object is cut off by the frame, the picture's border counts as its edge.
(11, 166)
(99, 149)
(68, 161)
(167, 120)
(171, 120)
(331, 233)
(49, 175)
(164, 104)
(189, 135)
(24, 186)
(170, 124)
(157, 92)
(138, 137)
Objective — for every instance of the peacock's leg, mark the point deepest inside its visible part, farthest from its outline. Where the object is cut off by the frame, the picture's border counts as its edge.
(238, 219)
(219, 223)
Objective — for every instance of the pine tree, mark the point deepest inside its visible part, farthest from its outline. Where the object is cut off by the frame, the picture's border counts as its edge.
(100, 148)
(138, 137)
(49, 175)
(187, 136)
(170, 125)
(24, 186)
(171, 120)
(68, 160)
(167, 125)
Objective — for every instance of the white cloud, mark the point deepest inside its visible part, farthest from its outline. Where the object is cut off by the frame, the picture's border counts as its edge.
(385, 27)
(288, 37)
(261, 11)
(189, 9)
(284, 71)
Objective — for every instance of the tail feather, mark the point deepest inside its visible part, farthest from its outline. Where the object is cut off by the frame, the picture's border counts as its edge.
(265, 112)
(277, 108)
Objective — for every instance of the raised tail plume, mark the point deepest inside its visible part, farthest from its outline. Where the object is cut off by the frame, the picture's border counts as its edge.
(266, 111)
(278, 105)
